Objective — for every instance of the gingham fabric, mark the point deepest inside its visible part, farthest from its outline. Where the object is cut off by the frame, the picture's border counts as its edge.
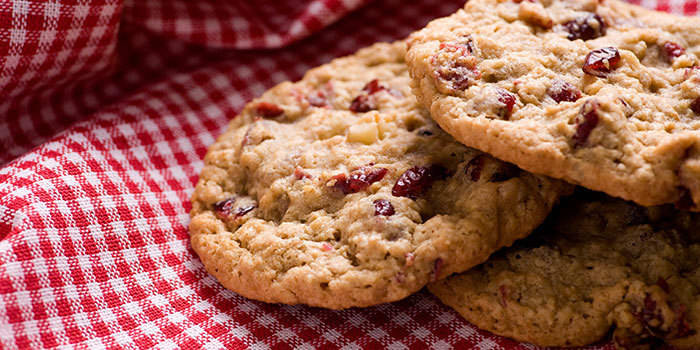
(107, 109)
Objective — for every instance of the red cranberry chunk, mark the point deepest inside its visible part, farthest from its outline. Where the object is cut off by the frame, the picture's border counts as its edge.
(362, 104)
(359, 179)
(601, 61)
(508, 101)
(586, 27)
(373, 87)
(562, 91)
(383, 207)
(585, 123)
(695, 106)
(341, 183)
(224, 208)
(365, 176)
(268, 110)
(474, 167)
(415, 181)
(365, 102)
(673, 50)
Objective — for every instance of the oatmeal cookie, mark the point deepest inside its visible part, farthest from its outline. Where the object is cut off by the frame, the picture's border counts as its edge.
(602, 94)
(340, 191)
(598, 264)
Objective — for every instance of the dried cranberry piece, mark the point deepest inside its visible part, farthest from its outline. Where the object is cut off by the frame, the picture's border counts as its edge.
(415, 181)
(586, 122)
(508, 101)
(225, 209)
(695, 106)
(373, 87)
(365, 102)
(341, 183)
(359, 179)
(474, 167)
(362, 104)
(365, 176)
(673, 50)
(562, 91)
(600, 62)
(586, 27)
(268, 110)
(383, 207)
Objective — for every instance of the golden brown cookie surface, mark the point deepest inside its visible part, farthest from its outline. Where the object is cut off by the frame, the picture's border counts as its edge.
(599, 93)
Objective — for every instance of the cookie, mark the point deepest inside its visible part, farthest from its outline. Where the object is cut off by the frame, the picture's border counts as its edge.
(599, 93)
(340, 191)
(598, 264)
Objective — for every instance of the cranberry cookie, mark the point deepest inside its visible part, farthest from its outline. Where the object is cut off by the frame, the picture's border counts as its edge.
(340, 191)
(598, 263)
(599, 93)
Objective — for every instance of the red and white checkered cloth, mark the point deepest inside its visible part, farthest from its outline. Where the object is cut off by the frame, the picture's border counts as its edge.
(106, 109)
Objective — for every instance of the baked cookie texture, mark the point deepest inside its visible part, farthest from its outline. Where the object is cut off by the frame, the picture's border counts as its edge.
(599, 93)
(598, 263)
(340, 191)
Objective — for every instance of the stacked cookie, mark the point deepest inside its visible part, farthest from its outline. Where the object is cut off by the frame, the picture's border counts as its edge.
(349, 188)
